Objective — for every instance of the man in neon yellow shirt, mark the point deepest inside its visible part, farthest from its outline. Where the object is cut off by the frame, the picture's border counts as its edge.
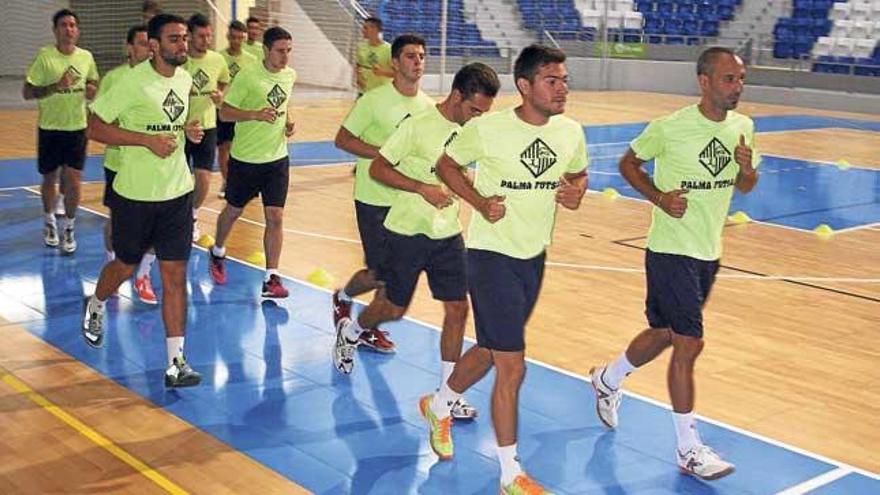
(254, 44)
(424, 233)
(260, 163)
(373, 57)
(210, 77)
(368, 125)
(701, 153)
(236, 60)
(61, 78)
(138, 47)
(529, 159)
(152, 202)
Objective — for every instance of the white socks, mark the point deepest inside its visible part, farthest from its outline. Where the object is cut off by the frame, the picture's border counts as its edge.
(510, 467)
(145, 265)
(174, 346)
(353, 330)
(686, 431)
(68, 222)
(96, 305)
(269, 273)
(617, 371)
(50, 219)
(219, 251)
(343, 296)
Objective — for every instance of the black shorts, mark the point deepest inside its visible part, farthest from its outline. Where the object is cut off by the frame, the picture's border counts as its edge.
(503, 291)
(109, 193)
(201, 156)
(57, 148)
(165, 225)
(678, 287)
(443, 260)
(245, 180)
(374, 236)
(225, 131)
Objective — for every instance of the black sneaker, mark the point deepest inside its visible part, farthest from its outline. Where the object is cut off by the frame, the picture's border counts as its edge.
(92, 325)
(180, 374)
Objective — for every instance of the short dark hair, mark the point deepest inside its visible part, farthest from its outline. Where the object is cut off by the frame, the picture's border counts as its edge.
(532, 58)
(197, 20)
(274, 34)
(63, 13)
(476, 78)
(237, 26)
(253, 19)
(706, 62)
(133, 31)
(154, 27)
(374, 20)
(403, 40)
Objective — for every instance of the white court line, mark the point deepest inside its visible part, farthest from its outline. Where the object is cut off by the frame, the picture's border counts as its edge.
(583, 378)
(813, 483)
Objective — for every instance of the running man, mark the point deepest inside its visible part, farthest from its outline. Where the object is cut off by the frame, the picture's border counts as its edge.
(258, 103)
(152, 203)
(138, 48)
(424, 233)
(529, 159)
(210, 76)
(373, 57)
(61, 78)
(368, 125)
(254, 44)
(701, 153)
(236, 60)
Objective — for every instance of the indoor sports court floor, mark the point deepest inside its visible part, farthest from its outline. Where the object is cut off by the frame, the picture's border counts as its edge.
(786, 387)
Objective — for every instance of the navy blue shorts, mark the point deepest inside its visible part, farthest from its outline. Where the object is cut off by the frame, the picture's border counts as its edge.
(201, 155)
(443, 260)
(503, 294)
(245, 180)
(59, 148)
(225, 131)
(109, 175)
(164, 225)
(678, 287)
(374, 236)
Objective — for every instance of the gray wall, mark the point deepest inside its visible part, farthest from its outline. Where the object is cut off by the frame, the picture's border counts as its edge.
(25, 26)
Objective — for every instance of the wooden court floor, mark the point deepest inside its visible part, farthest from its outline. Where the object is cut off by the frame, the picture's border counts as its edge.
(795, 362)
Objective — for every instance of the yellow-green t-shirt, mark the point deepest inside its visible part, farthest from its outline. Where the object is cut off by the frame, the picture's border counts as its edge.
(694, 153)
(66, 109)
(414, 149)
(234, 63)
(255, 49)
(255, 88)
(373, 118)
(144, 101)
(367, 56)
(111, 152)
(206, 73)
(523, 163)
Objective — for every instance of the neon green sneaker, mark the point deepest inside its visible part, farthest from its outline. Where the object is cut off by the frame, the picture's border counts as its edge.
(523, 485)
(441, 429)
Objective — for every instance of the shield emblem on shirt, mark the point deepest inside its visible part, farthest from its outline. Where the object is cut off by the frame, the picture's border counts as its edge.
(200, 79)
(538, 157)
(715, 157)
(233, 70)
(74, 73)
(173, 106)
(276, 96)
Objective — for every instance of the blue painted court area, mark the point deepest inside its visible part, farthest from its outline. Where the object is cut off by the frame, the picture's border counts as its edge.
(270, 390)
